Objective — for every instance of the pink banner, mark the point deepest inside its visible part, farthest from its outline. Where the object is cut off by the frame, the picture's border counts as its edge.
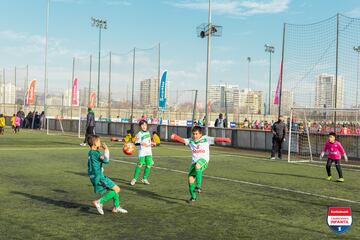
(74, 93)
(92, 100)
(30, 98)
(278, 87)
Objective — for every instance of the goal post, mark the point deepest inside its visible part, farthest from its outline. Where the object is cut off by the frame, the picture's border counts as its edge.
(309, 129)
(63, 124)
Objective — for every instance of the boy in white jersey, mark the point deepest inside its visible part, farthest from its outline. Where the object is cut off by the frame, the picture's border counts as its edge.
(199, 146)
(143, 140)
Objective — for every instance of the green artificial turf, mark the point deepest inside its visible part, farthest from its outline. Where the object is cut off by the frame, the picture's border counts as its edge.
(45, 193)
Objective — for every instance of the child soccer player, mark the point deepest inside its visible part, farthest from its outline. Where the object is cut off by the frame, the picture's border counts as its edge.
(335, 151)
(101, 183)
(156, 139)
(17, 123)
(143, 140)
(129, 137)
(199, 146)
(13, 125)
(2, 124)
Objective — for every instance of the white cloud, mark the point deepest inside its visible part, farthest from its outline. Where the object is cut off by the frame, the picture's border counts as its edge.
(353, 13)
(237, 8)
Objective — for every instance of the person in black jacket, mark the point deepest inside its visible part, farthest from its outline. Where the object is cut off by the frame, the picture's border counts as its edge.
(220, 122)
(90, 126)
(278, 130)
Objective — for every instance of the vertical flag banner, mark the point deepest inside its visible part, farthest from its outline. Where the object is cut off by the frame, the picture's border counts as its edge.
(162, 91)
(92, 99)
(74, 93)
(30, 98)
(277, 92)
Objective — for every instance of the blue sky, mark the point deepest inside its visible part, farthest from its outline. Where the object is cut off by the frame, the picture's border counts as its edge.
(247, 26)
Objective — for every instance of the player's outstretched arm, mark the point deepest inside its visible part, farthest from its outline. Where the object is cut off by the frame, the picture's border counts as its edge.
(221, 139)
(177, 138)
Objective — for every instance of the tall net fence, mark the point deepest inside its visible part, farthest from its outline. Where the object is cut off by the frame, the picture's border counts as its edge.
(314, 54)
(309, 129)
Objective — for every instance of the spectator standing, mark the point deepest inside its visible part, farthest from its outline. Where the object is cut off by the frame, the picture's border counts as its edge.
(90, 126)
(278, 130)
(220, 122)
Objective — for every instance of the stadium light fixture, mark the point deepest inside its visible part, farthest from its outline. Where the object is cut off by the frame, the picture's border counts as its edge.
(270, 49)
(208, 30)
(101, 24)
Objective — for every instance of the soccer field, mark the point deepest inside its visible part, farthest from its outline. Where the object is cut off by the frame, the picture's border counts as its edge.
(45, 193)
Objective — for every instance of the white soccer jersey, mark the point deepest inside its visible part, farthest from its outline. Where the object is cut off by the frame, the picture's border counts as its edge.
(144, 138)
(200, 148)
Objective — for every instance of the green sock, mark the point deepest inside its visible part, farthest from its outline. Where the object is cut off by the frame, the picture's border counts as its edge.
(191, 190)
(109, 195)
(137, 171)
(198, 177)
(146, 172)
(116, 200)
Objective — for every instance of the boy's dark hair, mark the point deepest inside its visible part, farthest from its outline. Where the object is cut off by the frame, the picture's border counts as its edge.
(332, 134)
(92, 139)
(197, 129)
(155, 133)
(142, 122)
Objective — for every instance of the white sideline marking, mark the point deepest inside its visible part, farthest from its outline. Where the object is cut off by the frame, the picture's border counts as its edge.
(252, 184)
(346, 166)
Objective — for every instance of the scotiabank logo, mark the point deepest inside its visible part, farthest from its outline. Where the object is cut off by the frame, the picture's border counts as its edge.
(198, 151)
(339, 219)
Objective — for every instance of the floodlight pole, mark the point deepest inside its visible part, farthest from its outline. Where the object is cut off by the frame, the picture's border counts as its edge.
(90, 69)
(46, 56)
(109, 93)
(4, 88)
(132, 92)
(248, 84)
(357, 50)
(15, 90)
(101, 24)
(249, 60)
(208, 70)
(270, 49)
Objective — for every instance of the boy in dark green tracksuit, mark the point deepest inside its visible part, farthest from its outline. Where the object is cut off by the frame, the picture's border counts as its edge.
(101, 183)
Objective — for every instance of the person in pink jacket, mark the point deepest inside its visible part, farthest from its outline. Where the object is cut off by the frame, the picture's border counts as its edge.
(335, 150)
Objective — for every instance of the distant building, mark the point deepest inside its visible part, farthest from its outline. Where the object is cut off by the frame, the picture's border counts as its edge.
(325, 90)
(287, 102)
(7, 94)
(224, 96)
(149, 92)
(251, 102)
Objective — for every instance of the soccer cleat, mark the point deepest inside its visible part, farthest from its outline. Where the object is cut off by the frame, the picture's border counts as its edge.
(272, 158)
(191, 201)
(119, 210)
(197, 190)
(329, 178)
(83, 144)
(132, 183)
(145, 181)
(98, 206)
(340, 180)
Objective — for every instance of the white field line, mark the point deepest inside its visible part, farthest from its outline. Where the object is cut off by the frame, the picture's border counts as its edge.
(253, 184)
(315, 163)
(347, 167)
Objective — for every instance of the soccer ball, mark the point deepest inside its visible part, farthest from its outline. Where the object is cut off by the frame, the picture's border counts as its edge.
(129, 148)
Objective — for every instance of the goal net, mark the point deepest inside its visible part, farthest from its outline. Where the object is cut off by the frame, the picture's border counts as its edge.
(309, 129)
(66, 121)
